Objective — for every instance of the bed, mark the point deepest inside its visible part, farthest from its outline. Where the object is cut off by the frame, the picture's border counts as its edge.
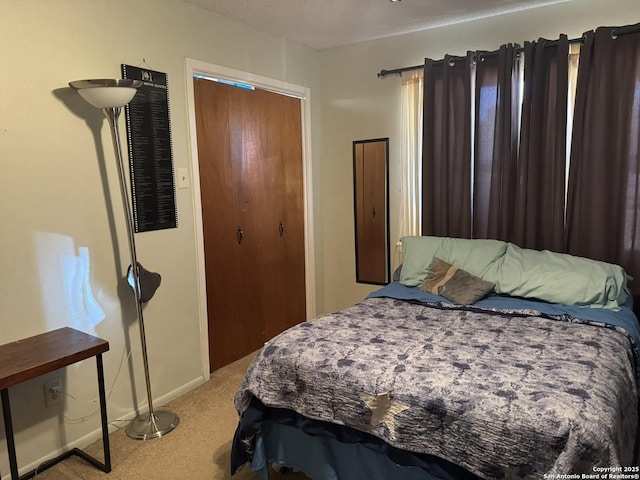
(522, 364)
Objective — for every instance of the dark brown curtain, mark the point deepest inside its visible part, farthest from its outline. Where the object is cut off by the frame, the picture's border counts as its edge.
(508, 197)
(446, 151)
(538, 214)
(496, 142)
(603, 218)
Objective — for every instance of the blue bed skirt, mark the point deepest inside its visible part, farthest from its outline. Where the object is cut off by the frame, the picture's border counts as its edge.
(326, 451)
(324, 458)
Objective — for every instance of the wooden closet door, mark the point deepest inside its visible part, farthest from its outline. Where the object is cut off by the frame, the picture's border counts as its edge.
(224, 217)
(243, 150)
(284, 229)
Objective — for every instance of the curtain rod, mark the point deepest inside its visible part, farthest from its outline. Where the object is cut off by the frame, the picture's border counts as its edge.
(398, 71)
(614, 34)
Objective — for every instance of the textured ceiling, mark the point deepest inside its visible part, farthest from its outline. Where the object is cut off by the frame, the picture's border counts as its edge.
(321, 24)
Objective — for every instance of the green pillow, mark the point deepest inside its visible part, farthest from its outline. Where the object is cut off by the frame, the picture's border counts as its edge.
(417, 253)
(478, 256)
(560, 278)
(455, 284)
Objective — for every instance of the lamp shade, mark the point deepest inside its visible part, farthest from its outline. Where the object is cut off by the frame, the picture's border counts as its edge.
(106, 93)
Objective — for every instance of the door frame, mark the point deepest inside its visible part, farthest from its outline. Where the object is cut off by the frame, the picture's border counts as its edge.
(196, 67)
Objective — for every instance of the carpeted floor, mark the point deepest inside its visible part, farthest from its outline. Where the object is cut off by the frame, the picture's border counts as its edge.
(199, 448)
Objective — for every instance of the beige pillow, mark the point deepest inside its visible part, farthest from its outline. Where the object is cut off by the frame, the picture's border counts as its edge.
(455, 284)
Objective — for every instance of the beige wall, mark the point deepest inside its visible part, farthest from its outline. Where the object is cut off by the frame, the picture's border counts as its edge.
(52, 195)
(358, 105)
(53, 192)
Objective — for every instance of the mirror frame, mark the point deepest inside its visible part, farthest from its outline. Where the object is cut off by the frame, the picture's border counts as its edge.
(361, 249)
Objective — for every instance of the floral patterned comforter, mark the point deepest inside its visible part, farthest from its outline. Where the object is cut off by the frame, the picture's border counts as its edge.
(503, 395)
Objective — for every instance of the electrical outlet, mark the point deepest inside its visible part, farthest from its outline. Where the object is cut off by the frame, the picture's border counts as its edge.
(53, 392)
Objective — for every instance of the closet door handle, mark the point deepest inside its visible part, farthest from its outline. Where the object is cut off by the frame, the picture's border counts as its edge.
(373, 212)
(239, 235)
(281, 228)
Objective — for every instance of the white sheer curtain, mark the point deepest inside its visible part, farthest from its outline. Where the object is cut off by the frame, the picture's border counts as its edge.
(410, 185)
(411, 171)
(574, 60)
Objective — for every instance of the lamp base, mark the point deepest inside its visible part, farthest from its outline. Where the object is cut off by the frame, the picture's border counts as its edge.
(152, 425)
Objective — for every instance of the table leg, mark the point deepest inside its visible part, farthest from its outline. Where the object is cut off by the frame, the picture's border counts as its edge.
(8, 430)
(103, 415)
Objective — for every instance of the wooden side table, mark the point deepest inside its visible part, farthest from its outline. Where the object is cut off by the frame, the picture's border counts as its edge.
(34, 356)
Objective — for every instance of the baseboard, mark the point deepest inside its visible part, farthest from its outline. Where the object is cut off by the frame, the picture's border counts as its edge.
(91, 437)
(178, 392)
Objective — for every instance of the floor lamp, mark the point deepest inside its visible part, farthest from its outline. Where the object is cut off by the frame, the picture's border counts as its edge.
(110, 96)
